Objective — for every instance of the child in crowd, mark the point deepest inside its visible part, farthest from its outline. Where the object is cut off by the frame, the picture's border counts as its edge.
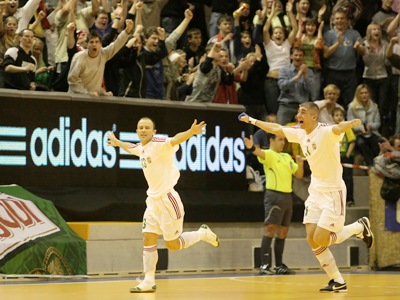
(347, 146)
(312, 45)
(242, 38)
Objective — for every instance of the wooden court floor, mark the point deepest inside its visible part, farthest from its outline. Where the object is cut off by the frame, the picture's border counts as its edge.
(365, 286)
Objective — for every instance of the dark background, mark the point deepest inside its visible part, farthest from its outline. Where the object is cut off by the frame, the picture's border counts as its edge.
(101, 194)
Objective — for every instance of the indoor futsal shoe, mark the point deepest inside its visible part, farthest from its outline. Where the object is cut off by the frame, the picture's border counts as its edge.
(144, 287)
(367, 236)
(209, 236)
(334, 287)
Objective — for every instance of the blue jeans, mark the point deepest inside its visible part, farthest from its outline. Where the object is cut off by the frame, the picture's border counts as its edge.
(316, 88)
(213, 23)
(287, 112)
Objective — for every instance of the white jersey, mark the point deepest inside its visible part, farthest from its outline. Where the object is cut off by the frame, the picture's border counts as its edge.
(322, 149)
(157, 160)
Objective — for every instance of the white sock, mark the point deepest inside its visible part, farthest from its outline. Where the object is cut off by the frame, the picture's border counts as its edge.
(150, 258)
(328, 263)
(345, 233)
(188, 239)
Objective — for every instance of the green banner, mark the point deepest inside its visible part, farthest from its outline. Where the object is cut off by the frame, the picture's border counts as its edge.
(35, 239)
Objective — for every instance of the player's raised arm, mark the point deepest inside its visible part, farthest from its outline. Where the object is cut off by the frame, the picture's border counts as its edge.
(273, 128)
(346, 125)
(196, 128)
(113, 141)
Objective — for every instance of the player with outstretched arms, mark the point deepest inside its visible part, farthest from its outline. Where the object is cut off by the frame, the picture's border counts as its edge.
(164, 209)
(325, 208)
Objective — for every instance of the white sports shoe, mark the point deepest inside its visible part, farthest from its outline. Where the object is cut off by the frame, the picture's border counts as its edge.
(144, 287)
(209, 236)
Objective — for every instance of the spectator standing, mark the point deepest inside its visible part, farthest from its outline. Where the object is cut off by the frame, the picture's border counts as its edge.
(384, 17)
(375, 73)
(226, 92)
(277, 49)
(87, 67)
(155, 39)
(312, 45)
(208, 76)
(219, 8)
(242, 39)
(152, 12)
(194, 49)
(342, 45)
(278, 18)
(23, 14)
(102, 23)
(394, 59)
(19, 64)
(199, 19)
(44, 73)
(295, 83)
(172, 15)
(225, 37)
(9, 37)
(83, 20)
(251, 91)
(363, 108)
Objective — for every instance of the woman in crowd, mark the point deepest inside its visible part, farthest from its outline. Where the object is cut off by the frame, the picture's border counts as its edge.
(367, 136)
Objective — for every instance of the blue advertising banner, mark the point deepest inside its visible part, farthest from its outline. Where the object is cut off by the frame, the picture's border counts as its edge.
(392, 216)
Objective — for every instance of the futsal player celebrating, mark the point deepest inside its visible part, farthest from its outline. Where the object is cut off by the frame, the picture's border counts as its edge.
(325, 206)
(164, 209)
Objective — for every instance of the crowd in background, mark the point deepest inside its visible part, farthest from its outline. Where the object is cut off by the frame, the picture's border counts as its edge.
(267, 55)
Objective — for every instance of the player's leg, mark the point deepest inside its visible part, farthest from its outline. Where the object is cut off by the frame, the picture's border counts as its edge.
(318, 223)
(326, 260)
(172, 226)
(332, 219)
(151, 231)
(150, 258)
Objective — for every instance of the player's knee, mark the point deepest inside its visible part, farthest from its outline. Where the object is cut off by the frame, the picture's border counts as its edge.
(173, 245)
(321, 240)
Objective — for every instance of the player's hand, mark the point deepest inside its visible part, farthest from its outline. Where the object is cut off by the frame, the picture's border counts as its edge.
(356, 123)
(112, 140)
(198, 128)
(244, 117)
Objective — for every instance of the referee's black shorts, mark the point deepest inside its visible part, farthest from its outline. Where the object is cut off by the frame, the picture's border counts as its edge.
(278, 208)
